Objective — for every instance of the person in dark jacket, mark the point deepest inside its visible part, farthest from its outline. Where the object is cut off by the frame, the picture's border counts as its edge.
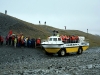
(12, 39)
(7, 39)
(28, 42)
(33, 43)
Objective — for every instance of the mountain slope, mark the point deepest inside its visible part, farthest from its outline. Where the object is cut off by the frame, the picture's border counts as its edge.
(43, 31)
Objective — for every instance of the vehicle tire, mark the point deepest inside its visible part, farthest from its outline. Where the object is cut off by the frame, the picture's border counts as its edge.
(62, 52)
(80, 50)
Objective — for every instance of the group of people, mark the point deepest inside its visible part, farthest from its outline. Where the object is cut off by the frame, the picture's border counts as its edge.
(67, 39)
(20, 41)
(70, 39)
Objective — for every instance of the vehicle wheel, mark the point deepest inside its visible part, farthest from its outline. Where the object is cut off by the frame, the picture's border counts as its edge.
(62, 53)
(80, 50)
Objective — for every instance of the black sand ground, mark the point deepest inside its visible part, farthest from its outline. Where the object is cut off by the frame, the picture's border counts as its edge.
(29, 61)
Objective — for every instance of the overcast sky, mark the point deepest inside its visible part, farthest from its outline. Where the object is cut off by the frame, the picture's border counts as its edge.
(74, 14)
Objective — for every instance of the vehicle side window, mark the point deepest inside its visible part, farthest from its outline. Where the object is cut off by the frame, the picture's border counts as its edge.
(59, 39)
(50, 39)
(54, 39)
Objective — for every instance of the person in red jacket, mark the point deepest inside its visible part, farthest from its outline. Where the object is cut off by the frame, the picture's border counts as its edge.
(1, 40)
(38, 42)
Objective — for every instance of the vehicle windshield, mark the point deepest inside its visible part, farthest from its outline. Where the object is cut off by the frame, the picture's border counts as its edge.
(54, 39)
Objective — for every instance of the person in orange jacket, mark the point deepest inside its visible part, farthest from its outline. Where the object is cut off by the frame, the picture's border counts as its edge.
(73, 39)
(62, 37)
(77, 39)
(67, 38)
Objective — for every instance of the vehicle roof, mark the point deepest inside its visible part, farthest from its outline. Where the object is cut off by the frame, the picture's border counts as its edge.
(54, 37)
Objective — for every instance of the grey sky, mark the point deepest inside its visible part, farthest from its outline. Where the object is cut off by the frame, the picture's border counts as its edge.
(74, 14)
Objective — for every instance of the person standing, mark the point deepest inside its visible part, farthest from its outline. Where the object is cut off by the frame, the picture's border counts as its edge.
(2, 40)
(57, 33)
(39, 22)
(10, 40)
(45, 22)
(15, 42)
(22, 40)
(19, 41)
(6, 40)
(13, 37)
(38, 42)
(26, 38)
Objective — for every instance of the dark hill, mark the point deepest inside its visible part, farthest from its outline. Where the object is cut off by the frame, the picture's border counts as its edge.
(43, 31)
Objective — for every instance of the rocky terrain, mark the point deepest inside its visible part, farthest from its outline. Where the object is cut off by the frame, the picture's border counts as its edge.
(30, 61)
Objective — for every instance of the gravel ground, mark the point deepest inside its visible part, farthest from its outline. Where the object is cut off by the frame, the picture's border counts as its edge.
(30, 61)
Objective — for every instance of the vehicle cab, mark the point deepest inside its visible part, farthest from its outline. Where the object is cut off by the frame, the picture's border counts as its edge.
(54, 40)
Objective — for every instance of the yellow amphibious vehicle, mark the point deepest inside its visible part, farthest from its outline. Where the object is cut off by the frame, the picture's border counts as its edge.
(54, 44)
